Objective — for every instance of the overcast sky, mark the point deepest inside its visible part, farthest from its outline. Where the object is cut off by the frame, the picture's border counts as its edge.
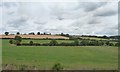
(95, 18)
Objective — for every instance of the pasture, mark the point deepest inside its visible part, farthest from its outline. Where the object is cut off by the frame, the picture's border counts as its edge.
(70, 57)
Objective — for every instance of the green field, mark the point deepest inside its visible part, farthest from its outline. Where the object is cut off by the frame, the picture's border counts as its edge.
(46, 41)
(70, 57)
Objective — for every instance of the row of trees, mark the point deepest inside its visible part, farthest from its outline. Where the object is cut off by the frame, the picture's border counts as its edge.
(31, 33)
(55, 43)
(17, 41)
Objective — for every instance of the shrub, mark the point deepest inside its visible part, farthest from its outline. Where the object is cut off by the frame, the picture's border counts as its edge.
(84, 43)
(107, 43)
(31, 42)
(18, 38)
(76, 42)
(11, 41)
(53, 43)
(57, 67)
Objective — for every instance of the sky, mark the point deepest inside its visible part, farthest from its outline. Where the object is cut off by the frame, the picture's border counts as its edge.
(78, 18)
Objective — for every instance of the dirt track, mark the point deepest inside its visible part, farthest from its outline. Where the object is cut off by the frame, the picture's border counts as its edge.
(35, 36)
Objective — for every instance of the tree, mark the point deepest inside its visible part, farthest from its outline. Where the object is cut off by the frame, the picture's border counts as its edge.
(53, 43)
(32, 33)
(18, 39)
(17, 33)
(67, 35)
(62, 34)
(44, 33)
(38, 33)
(31, 42)
(11, 41)
(49, 33)
(6, 33)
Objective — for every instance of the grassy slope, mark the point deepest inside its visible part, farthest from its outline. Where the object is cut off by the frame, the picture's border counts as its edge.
(101, 57)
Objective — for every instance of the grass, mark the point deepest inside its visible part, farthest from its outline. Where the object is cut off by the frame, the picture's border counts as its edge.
(70, 57)
(93, 38)
(46, 41)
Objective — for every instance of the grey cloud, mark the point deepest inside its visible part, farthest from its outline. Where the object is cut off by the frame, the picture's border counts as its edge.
(9, 4)
(41, 23)
(94, 21)
(106, 13)
(10, 13)
(91, 6)
(18, 22)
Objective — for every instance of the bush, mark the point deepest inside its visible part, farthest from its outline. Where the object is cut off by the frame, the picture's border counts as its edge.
(117, 44)
(107, 43)
(84, 43)
(17, 40)
(111, 44)
(11, 41)
(53, 43)
(31, 42)
(76, 42)
(57, 67)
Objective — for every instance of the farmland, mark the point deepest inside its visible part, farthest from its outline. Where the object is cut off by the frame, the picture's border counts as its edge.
(70, 57)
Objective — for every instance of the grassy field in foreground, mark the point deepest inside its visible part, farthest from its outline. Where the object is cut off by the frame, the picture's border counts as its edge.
(70, 57)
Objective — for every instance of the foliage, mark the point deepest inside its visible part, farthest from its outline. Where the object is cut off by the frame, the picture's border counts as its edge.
(17, 33)
(11, 41)
(53, 43)
(17, 39)
(76, 42)
(38, 33)
(57, 67)
(31, 42)
(6, 33)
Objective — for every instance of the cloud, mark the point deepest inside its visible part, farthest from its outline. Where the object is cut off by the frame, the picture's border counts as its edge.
(106, 13)
(91, 6)
(18, 22)
(108, 10)
(73, 18)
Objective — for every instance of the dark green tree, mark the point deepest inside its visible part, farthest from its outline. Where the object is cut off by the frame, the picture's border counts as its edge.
(18, 39)
(31, 42)
(44, 33)
(38, 33)
(6, 33)
(17, 33)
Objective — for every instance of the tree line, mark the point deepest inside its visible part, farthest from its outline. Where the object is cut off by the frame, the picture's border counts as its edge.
(31, 33)
(68, 35)
(17, 41)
